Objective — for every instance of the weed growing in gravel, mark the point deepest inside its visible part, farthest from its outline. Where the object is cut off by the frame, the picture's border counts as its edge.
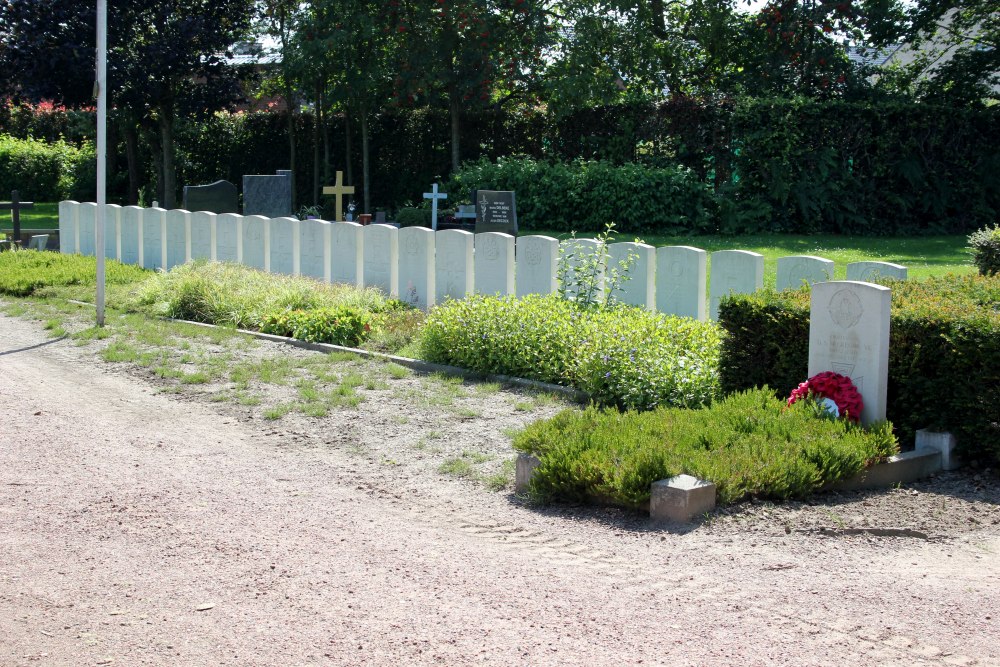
(503, 479)
(278, 411)
(398, 372)
(457, 467)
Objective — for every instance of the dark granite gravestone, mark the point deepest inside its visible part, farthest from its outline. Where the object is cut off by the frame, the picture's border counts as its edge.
(269, 196)
(496, 211)
(218, 197)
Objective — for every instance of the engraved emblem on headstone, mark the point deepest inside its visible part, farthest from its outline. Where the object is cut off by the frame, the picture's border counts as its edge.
(845, 309)
(533, 255)
(491, 249)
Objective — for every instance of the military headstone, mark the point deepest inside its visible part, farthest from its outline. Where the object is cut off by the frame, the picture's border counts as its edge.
(88, 228)
(202, 225)
(795, 270)
(314, 249)
(269, 196)
(218, 197)
(681, 281)
(112, 230)
(849, 335)
(416, 266)
(494, 263)
(177, 237)
(154, 234)
(131, 236)
(381, 252)
(227, 237)
(68, 228)
(496, 211)
(284, 233)
(347, 253)
(453, 264)
(256, 230)
(871, 271)
(734, 272)
(636, 267)
(584, 269)
(536, 265)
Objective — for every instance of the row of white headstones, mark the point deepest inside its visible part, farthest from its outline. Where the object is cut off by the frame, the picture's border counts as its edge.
(424, 267)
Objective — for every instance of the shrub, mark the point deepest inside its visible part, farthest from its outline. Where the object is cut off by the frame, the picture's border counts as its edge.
(748, 444)
(339, 325)
(623, 356)
(944, 354)
(985, 246)
(22, 272)
(46, 171)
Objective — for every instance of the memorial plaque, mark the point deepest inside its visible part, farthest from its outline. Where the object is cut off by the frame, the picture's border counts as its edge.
(218, 197)
(496, 211)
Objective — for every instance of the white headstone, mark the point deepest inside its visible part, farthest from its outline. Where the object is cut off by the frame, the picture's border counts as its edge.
(636, 282)
(177, 237)
(201, 226)
(112, 228)
(227, 237)
(131, 235)
(795, 270)
(537, 264)
(284, 233)
(256, 235)
(416, 267)
(314, 249)
(849, 334)
(681, 281)
(494, 262)
(734, 272)
(584, 268)
(347, 253)
(68, 226)
(381, 252)
(87, 216)
(453, 277)
(872, 271)
(154, 239)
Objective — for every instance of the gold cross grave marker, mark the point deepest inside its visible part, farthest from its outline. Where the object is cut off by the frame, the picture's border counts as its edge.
(339, 190)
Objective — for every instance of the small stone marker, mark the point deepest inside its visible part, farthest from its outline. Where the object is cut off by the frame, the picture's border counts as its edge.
(381, 252)
(494, 262)
(347, 253)
(496, 211)
(681, 498)
(338, 190)
(795, 270)
(734, 272)
(434, 196)
(536, 264)
(416, 267)
(453, 264)
(872, 271)
(38, 242)
(681, 281)
(218, 197)
(635, 286)
(849, 334)
(227, 237)
(266, 195)
(15, 206)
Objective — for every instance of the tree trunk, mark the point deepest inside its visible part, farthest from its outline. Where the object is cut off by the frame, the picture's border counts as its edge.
(364, 159)
(348, 149)
(455, 106)
(317, 116)
(326, 147)
(169, 180)
(131, 133)
(291, 138)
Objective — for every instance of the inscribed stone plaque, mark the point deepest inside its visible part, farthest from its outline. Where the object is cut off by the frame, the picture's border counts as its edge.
(68, 226)
(681, 281)
(269, 196)
(496, 211)
(734, 272)
(494, 262)
(201, 234)
(636, 282)
(154, 222)
(416, 266)
(177, 237)
(314, 248)
(796, 270)
(227, 237)
(453, 264)
(872, 271)
(381, 252)
(584, 266)
(536, 264)
(256, 231)
(131, 234)
(849, 334)
(112, 222)
(283, 241)
(218, 197)
(87, 217)
(347, 253)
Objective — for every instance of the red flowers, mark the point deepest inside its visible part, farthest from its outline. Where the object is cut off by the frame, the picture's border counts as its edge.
(834, 386)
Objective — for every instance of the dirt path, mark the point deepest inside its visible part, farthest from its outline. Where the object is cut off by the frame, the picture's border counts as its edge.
(141, 528)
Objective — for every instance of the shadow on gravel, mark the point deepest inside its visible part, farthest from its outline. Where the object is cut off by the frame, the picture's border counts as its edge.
(32, 347)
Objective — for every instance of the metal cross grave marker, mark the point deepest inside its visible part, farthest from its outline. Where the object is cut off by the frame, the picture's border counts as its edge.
(15, 206)
(434, 196)
(339, 190)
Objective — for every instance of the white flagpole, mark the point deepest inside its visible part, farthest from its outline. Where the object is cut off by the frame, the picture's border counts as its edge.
(102, 149)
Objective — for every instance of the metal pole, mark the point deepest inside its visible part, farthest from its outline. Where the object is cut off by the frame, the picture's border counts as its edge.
(102, 149)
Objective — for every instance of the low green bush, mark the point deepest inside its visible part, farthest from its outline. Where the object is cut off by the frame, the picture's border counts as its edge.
(944, 354)
(621, 356)
(748, 444)
(46, 171)
(985, 246)
(22, 272)
(339, 325)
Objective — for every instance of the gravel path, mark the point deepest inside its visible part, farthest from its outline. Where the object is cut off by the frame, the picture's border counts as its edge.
(151, 528)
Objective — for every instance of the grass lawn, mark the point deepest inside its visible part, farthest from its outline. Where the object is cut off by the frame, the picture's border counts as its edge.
(924, 256)
(44, 215)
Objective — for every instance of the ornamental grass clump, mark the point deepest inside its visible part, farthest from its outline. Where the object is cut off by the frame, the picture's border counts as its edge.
(749, 444)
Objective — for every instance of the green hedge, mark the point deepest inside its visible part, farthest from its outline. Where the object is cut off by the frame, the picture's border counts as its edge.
(944, 354)
(623, 356)
(985, 246)
(43, 171)
(748, 444)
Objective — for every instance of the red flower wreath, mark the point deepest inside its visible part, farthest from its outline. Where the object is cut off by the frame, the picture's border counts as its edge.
(834, 386)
